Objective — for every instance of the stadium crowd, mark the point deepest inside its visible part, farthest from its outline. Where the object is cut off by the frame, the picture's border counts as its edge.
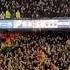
(18, 9)
(35, 51)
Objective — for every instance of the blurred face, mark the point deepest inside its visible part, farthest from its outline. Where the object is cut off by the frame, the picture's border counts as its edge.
(1, 61)
(49, 60)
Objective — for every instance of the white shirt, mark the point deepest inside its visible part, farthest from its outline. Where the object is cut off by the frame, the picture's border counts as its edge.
(1, 16)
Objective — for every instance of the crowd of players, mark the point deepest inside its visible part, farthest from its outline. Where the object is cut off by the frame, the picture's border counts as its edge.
(35, 51)
(18, 9)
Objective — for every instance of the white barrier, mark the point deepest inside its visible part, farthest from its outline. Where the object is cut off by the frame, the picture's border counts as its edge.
(35, 23)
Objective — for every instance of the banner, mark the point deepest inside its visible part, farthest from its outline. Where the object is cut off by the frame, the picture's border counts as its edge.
(63, 24)
(53, 23)
(6, 24)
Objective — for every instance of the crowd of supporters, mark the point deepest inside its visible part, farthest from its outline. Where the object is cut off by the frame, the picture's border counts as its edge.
(35, 51)
(18, 9)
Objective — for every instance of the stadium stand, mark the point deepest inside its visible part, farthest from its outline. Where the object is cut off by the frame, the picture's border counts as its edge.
(34, 9)
(46, 50)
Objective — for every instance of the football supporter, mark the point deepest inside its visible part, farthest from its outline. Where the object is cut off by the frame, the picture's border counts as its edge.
(37, 9)
(36, 51)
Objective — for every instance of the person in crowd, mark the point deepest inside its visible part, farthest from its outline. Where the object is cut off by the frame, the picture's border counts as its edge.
(18, 16)
(8, 14)
(2, 15)
(36, 51)
(37, 9)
